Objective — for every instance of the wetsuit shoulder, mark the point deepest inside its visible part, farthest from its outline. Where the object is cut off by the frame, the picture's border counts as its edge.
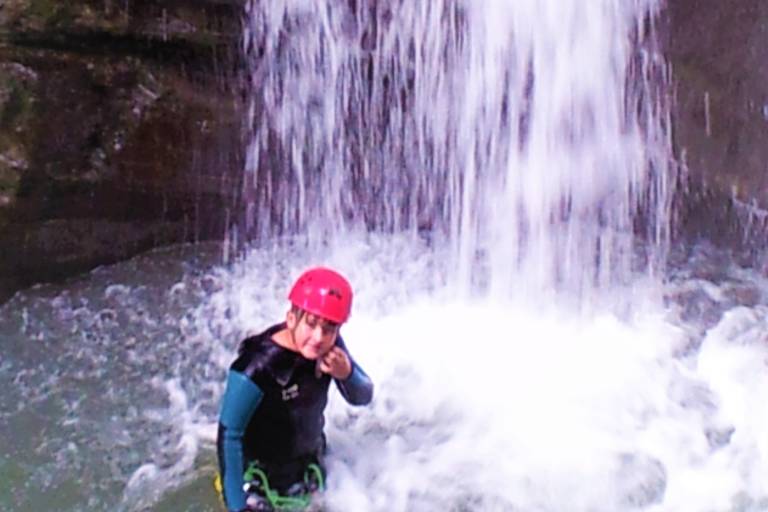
(259, 356)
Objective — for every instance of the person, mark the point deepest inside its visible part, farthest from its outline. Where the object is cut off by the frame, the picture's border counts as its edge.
(271, 420)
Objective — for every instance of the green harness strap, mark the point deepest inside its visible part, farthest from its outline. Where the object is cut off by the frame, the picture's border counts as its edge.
(279, 502)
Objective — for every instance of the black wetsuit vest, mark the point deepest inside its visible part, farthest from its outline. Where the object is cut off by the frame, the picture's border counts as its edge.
(272, 413)
(288, 424)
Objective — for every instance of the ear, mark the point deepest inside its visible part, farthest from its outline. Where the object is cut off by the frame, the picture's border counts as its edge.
(291, 320)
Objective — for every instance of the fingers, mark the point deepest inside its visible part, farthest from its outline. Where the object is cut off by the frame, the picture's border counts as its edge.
(334, 355)
(328, 362)
(324, 367)
(335, 362)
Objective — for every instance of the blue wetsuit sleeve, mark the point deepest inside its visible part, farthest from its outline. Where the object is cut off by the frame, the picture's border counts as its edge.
(357, 389)
(241, 399)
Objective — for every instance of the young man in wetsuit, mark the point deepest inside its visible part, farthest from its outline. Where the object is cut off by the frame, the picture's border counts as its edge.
(277, 390)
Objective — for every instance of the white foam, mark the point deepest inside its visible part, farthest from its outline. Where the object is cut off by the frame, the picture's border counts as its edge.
(540, 410)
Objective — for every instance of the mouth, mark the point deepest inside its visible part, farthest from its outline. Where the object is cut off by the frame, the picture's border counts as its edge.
(312, 348)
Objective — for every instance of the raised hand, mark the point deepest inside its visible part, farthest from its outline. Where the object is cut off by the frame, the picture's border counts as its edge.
(336, 363)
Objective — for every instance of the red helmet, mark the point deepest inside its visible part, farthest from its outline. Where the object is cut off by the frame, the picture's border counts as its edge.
(323, 292)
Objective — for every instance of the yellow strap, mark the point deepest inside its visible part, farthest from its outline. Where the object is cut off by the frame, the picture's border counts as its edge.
(219, 488)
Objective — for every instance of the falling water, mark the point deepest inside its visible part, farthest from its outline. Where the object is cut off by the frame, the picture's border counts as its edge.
(463, 163)
(529, 136)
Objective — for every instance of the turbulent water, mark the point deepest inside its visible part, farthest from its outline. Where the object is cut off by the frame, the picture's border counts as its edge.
(495, 179)
(111, 386)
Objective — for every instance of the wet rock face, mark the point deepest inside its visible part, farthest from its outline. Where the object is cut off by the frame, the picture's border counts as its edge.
(15, 118)
(121, 119)
(119, 130)
(719, 57)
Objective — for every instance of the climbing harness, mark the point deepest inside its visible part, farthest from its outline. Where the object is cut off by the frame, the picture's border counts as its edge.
(298, 497)
(262, 497)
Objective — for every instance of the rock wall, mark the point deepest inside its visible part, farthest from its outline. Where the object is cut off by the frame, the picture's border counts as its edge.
(718, 52)
(119, 131)
(120, 127)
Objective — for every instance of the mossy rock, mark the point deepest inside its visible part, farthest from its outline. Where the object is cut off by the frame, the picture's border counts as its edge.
(16, 113)
(16, 100)
(116, 128)
(9, 181)
(48, 14)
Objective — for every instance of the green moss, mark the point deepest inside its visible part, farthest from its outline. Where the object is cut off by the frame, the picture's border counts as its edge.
(51, 12)
(17, 104)
(9, 181)
(15, 113)
(204, 38)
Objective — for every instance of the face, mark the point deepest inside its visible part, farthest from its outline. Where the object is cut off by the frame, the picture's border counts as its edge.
(313, 336)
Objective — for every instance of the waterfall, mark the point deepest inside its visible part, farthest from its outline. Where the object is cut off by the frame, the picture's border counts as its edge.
(462, 162)
(530, 138)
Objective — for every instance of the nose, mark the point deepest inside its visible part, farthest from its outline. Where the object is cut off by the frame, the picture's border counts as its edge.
(317, 334)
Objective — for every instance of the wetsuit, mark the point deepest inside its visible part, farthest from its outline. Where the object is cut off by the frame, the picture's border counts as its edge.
(272, 412)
